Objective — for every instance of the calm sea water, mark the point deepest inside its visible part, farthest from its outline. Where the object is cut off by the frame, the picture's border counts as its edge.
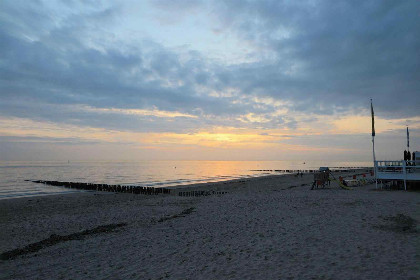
(144, 173)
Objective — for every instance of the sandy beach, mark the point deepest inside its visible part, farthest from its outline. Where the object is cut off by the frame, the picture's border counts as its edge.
(264, 228)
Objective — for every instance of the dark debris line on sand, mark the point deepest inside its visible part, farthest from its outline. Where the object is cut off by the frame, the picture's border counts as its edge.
(182, 214)
(55, 239)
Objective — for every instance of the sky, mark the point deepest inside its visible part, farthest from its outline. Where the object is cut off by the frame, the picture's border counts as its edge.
(208, 80)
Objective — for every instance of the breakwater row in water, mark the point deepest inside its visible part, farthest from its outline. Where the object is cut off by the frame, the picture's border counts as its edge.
(338, 169)
(200, 193)
(124, 188)
(105, 187)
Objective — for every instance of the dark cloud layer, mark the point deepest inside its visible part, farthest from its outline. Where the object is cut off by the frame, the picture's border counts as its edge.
(322, 56)
(344, 52)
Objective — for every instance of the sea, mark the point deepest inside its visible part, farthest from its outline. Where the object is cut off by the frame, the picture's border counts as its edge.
(14, 175)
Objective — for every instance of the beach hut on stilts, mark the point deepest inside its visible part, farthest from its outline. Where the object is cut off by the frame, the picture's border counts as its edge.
(403, 172)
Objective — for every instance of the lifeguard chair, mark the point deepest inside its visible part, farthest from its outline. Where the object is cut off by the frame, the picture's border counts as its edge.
(321, 178)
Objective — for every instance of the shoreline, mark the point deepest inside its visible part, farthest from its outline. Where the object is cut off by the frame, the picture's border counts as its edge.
(266, 227)
(202, 186)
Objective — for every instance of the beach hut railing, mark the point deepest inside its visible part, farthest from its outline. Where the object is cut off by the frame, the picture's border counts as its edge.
(405, 170)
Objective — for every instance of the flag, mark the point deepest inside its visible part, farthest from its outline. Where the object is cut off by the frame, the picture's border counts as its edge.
(408, 139)
(373, 119)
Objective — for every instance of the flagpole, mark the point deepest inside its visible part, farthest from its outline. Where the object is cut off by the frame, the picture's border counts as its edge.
(374, 161)
(373, 143)
(408, 140)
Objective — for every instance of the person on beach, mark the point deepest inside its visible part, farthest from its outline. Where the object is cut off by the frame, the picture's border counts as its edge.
(313, 185)
(408, 157)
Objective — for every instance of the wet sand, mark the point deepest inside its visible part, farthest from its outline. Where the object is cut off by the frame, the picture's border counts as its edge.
(263, 228)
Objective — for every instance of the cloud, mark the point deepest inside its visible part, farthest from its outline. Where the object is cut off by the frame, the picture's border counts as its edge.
(326, 54)
(45, 140)
(293, 65)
